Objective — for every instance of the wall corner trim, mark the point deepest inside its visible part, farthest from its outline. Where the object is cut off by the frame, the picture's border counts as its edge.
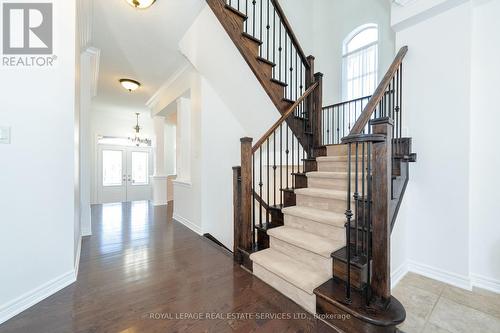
(36, 295)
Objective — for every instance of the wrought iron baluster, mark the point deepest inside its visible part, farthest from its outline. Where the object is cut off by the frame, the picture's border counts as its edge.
(348, 214)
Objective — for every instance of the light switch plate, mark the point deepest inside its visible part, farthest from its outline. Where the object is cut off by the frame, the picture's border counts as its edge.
(4, 135)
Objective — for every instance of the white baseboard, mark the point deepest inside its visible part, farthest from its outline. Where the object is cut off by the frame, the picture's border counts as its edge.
(398, 274)
(188, 224)
(438, 274)
(77, 257)
(486, 283)
(36, 295)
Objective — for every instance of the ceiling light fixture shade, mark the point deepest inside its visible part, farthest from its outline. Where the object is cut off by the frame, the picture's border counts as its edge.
(130, 85)
(142, 4)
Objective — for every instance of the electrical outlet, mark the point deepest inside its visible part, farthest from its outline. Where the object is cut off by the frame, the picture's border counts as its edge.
(4, 135)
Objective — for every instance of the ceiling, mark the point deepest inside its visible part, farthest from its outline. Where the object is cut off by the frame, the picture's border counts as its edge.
(138, 44)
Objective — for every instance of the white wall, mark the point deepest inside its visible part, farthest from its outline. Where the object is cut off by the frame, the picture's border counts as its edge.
(334, 21)
(37, 174)
(484, 159)
(188, 185)
(437, 110)
(217, 59)
(220, 152)
(117, 122)
(451, 76)
(321, 27)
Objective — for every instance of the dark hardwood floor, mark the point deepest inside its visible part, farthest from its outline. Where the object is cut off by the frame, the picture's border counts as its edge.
(143, 272)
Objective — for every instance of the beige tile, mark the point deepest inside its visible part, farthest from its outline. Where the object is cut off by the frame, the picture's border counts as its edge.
(478, 299)
(412, 324)
(422, 282)
(417, 302)
(431, 328)
(458, 318)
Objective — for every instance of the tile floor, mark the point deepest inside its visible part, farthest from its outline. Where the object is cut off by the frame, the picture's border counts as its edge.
(435, 307)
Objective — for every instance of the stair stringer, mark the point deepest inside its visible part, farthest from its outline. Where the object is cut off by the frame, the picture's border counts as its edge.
(211, 51)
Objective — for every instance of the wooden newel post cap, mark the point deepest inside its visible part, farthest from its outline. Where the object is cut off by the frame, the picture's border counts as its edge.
(318, 74)
(246, 140)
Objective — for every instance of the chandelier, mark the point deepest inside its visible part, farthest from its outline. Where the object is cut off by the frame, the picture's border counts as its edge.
(136, 140)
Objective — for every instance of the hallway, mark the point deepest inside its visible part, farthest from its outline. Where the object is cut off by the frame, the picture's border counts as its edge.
(139, 266)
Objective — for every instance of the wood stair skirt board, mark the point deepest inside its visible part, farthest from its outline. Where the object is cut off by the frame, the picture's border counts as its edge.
(249, 49)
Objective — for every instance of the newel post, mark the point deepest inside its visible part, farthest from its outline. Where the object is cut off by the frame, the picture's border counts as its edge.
(246, 195)
(381, 185)
(317, 110)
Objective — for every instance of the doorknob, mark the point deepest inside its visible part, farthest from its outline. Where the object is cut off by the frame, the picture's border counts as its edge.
(124, 178)
(129, 178)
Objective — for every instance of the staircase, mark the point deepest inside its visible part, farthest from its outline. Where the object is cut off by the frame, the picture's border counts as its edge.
(299, 258)
(316, 198)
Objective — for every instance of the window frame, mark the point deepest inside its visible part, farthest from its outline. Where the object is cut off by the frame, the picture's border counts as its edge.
(346, 55)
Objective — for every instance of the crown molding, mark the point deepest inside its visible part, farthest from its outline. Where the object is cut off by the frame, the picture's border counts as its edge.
(155, 99)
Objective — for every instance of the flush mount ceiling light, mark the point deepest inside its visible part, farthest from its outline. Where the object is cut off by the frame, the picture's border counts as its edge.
(142, 4)
(129, 84)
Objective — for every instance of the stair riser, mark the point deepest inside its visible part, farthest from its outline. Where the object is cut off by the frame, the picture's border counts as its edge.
(337, 150)
(300, 181)
(320, 151)
(266, 68)
(310, 166)
(358, 276)
(317, 228)
(297, 295)
(289, 199)
(329, 183)
(332, 205)
(320, 264)
(338, 167)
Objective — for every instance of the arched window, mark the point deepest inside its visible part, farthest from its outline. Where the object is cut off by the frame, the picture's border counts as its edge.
(360, 62)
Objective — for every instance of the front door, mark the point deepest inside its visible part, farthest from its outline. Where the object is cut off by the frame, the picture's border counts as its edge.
(123, 173)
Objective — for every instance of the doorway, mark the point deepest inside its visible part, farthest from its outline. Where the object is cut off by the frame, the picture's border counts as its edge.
(123, 173)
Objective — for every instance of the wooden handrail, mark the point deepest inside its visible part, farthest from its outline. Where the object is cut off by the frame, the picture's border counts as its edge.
(289, 30)
(379, 93)
(284, 117)
(347, 102)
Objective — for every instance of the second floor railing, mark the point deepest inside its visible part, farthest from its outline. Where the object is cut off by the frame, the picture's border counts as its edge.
(338, 119)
